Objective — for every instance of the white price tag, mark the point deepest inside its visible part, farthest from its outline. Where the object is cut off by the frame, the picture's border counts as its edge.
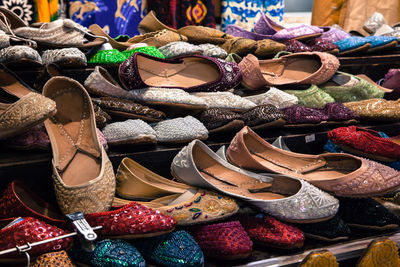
(310, 138)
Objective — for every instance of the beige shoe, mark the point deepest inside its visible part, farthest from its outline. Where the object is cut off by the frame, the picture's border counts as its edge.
(83, 175)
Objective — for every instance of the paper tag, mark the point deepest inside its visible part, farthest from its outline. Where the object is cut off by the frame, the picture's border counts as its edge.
(310, 138)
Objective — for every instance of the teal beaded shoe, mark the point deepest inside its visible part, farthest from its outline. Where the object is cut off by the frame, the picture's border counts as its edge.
(109, 253)
(107, 58)
(177, 249)
(150, 50)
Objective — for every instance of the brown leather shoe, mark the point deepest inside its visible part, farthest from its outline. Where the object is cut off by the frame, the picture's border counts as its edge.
(83, 175)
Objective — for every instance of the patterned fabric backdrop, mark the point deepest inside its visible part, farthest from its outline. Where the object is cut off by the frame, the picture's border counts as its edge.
(33, 10)
(116, 17)
(245, 13)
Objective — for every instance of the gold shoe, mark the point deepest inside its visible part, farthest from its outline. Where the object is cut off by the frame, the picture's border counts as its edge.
(194, 206)
(379, 253)
(268, 47)
(320, 258)
(239, 46)
(135, 182)
(158, 39)
(376, 109)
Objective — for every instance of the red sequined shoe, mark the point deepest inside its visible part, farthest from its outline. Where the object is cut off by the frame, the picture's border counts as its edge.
(29, 230)
(131, 221)
(268, 231)
(18, 200)
(228, 241)
(365, 142)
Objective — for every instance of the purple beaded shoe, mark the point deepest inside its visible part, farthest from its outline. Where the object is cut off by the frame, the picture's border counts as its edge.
(301, 116)
(193, 73)
(333, 34)
(337, 112)
(34, 138)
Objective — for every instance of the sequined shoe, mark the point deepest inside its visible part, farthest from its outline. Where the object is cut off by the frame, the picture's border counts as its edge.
(275, 97)
(264, 116)
(108, 253)
(367, 213)
(66, 57)
(107, 58)
(332, 230)
(376, 109)
(197, 165)
(225, 100)
(177, 249)
(131, 221)
(20, 231)
(381, 252)
(319, 258)
(218, 120)
(227, 241)
(34, 138)
(59, 258)
(20, 56)
(312, 97)
(268, 231)
(149, 50)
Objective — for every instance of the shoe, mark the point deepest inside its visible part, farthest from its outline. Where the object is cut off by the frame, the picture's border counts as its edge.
(127, 109)
(108, 58)
(102, 118)
(129, 132)
(18, 200)
(379, 43)
(319, 258)
(374, 216)
(225, 100)
(267, 48)
(198, 165)
(338, 114)
(333, 34)
(300, 116)
(344, 87)
(293, 69)
(268, 231)
(352, 45)
(295, 46)
(176, 49)
(332, 230)
(180, 130)
(323, 45)
(239, 46)
(66, 57)
(20, 231)
(275, 97)
(177, 249)
(225, 241)
(149, 50)
(217, 74)
(35, 138)
(376, 109)
(20, 56)
(365, 142)
(312, 97)
(82, 173)
(380, 252)
(131, 221)
(218, 120)
(361, 177)
(108, 253)
(59, 258)
(264, 116)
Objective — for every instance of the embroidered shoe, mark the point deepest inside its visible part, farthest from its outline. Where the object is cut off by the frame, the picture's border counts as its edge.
(228, 241)
(59, 258)
(177, 249)
(66, 57)
(381, 252)
(319, 258)
(109, 253)
(275, 97)
(312, 97)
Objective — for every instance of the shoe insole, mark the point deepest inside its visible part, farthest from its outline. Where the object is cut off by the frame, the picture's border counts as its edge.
(11, 85)
(231, 181)
(72, 126)
(191, 72)
(306, 167)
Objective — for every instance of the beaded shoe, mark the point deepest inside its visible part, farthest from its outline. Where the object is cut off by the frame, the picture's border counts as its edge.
(264, 116)
(109, 253)
(34, 138)
(59, 258)
(312, 97)
(131, 221)
(149, 50)
(20, 55)
(218, 120)
(107, 58)
(381, 252)
(66, 57)
(177, 249)
(376, 109)
(227, 241)
(275, 97)
(319, 258)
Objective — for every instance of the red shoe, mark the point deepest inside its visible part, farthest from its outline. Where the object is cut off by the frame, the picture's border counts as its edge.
(228, 241)
(19, 201)
(131, 221)
(30, 230)
(365, 142)
(268, 231)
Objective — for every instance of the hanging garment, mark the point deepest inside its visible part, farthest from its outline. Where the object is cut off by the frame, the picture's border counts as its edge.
(328, 12)
(116, 17)
(245, 13)
(180, 13)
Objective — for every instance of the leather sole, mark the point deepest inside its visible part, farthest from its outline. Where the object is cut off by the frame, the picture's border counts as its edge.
(356, 50)
(273, 124)
(127, 115)
(230, 126)
(383, 47)
(326, 239)
(372, 227)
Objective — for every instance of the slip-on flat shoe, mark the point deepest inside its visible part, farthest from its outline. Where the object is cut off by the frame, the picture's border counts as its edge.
(58, 258)
(379, 43)
(337, 173)
(319, 258)
(82, 173)
(141, 70)
(376, 109)
(218, 120)
(225, 100)
(312, 97)
(352, 45)
(380, 252)
(66, 57)
(275, 97)
(299, 68)
(197, 165)
(264, 116)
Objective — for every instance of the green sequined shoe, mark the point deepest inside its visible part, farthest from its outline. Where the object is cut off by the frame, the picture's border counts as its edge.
(344, 87)
(176, 249)
(107, 57)
(312, 97)
(150, 50)
(109, 253)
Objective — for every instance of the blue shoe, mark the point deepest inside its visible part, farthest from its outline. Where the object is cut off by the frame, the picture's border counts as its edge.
(176, 249)
(352, 44)
(109, 253)
(381, 42)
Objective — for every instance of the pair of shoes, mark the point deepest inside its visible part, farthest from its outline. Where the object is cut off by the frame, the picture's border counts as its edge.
(178, 130)
(188, 205)
(293, 69)
(349, 176)
(380, 252)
